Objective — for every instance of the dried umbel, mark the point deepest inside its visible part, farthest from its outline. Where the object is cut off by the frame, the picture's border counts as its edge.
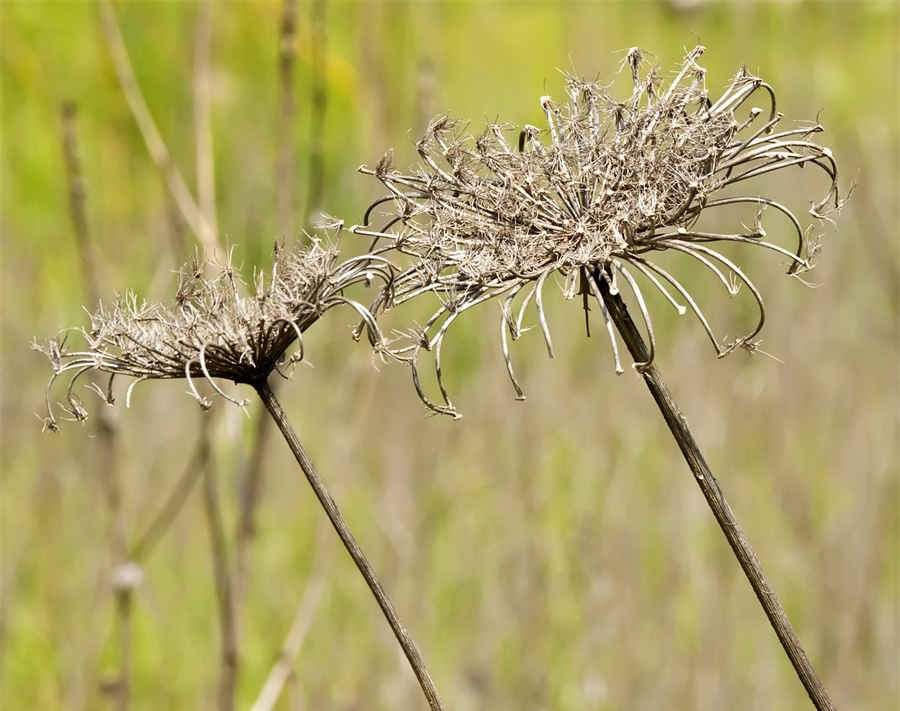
(217, 327)
(605, 188)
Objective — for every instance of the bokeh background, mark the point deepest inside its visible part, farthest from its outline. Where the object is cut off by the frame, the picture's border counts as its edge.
(552, 554)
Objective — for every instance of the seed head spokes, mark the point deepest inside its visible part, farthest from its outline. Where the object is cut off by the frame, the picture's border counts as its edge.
(598, 193)
(216, 328)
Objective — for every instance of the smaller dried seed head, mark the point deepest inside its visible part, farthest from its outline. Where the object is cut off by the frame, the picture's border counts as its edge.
(608, 184)
(218, 327)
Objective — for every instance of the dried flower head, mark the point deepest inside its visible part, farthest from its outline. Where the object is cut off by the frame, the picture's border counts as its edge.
(217, 327)
(604, 188)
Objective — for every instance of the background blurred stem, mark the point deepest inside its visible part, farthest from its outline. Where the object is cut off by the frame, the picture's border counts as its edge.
(273, 406)
(156, 146)
(318, 105)
(203, 140)
(705, 479)
(206, 191)
(286, 169)
(171, 507)
(251, 482)
(107, 465)
(224, 593)
(283, 669)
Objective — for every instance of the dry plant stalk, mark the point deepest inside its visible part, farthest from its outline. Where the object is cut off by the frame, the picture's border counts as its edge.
(617, 183)
(125, 575)
(221, 574)
(252, 476)
(283, 669)
(318, 106)
(218, 329)
(156, 146)
(229, 662)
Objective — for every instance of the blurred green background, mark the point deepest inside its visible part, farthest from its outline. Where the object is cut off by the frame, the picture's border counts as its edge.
(552, 554)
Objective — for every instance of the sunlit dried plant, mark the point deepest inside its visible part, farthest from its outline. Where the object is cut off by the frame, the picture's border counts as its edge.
(615, 183)
(217, 327)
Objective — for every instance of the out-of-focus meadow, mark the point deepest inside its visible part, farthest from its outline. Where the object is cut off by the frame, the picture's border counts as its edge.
(552, 554)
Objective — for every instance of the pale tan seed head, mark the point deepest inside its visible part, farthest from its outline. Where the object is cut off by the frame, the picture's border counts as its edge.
(216, 327)
(603, 188)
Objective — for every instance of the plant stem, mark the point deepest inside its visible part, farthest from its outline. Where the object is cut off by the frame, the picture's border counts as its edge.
(285, 172)
(228, 660)
(735, 535)
(172, 506)
(318, 105)
(107, 434)
(251, 486)
(156, 146)
(283, 669)
(340, 526)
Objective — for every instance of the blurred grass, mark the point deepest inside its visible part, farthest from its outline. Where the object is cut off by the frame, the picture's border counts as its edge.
(547, 555)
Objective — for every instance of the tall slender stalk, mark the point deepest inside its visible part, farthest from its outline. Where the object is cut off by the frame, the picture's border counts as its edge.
(229, 659)
(203, 137)
(156, 146)
(283, 669)
(318, 106)
(144, 544)
(705, 479)
(252, 476)
(286, 167)
(228, 663)
(273, 406)
(123, 589)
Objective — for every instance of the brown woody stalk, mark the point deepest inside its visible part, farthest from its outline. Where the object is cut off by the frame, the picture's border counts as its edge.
(318, 106)
(252, 478)
(123, 583)
(359, 558)
(593, 201)
(228, 664)
(217, 329)
(229, 659)
(156, 146)
(715, 497)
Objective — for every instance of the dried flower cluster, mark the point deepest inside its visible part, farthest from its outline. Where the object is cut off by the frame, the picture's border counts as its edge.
(615, 183)
(216, 327)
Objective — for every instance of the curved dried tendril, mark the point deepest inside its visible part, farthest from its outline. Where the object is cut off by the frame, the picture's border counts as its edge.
(604, 187)
(216, 328)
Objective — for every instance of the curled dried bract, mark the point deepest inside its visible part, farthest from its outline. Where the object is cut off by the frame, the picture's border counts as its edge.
(597, 194)
(217, 327)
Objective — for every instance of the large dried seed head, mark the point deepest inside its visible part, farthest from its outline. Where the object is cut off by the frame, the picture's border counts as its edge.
(217, 327)
(600, 190)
